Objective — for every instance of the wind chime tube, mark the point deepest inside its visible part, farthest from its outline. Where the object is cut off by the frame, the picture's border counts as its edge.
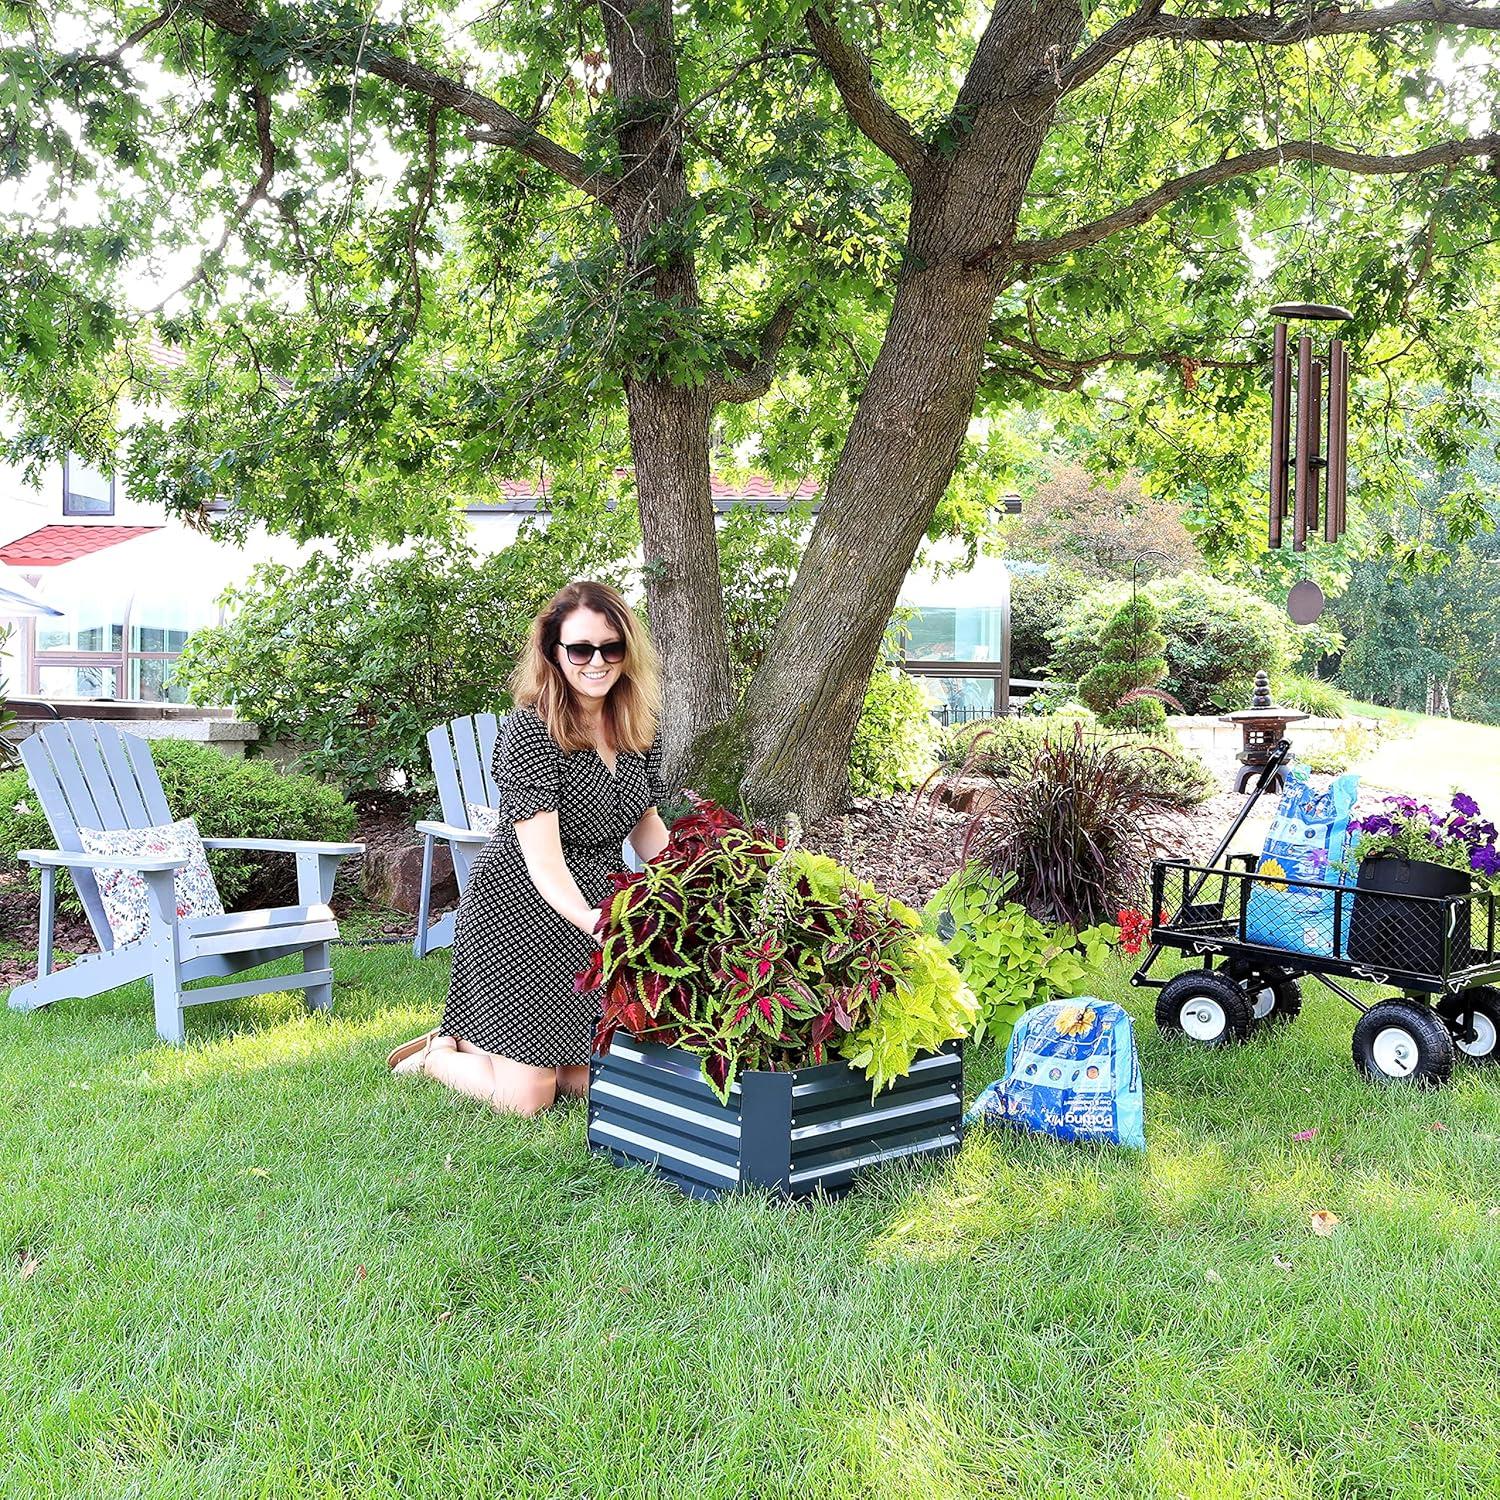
(1302, 473)
(1338, 438)
(1315, 463)
(1281, 429)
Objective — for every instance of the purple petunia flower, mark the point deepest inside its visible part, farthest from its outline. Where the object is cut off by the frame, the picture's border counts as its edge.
(1485, 860)
(1465, 804)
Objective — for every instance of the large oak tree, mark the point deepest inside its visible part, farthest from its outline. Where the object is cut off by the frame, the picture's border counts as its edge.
(405, 252)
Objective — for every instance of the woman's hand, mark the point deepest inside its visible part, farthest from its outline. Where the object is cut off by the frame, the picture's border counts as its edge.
(592, 929)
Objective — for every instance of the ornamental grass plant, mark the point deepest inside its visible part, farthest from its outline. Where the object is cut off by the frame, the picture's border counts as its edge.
(1070, 829)
(738, 946)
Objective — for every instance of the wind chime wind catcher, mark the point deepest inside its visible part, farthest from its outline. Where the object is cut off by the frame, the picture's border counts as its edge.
(1309, 477)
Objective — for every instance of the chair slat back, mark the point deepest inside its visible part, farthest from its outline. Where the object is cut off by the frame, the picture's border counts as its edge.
(461, 753)
(89, 775)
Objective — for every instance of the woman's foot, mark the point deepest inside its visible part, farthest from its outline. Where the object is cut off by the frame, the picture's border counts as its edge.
(410, 1056)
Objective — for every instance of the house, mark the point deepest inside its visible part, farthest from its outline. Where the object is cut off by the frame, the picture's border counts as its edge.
(132, 584)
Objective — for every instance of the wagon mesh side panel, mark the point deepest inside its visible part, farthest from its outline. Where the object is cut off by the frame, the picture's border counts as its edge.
(1399, 936)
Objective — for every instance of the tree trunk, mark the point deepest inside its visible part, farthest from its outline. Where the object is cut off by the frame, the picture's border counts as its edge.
(668, 422)
(904, 440)
(685, 603)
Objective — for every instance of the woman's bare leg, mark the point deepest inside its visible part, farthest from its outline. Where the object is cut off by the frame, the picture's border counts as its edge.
(504, 1084)
(464, 1069)
(573, 1083)
(521, 1089)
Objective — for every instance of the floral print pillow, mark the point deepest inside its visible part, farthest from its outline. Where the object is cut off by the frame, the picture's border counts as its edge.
(123, 892)
(483, 819)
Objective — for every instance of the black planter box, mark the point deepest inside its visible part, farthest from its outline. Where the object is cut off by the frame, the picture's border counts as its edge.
(795, 1134)
(1390, 930)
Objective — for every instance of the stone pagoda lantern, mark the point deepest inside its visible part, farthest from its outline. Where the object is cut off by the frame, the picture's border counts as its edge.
(1263, 725)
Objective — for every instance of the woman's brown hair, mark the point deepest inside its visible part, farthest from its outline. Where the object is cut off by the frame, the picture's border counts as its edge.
(634, 702)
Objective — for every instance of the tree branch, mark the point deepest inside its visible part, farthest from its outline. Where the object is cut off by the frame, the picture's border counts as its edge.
(1056, 371)
(1148, 24)
(756, 375)
(497, 126)
(849, 68)
(259, 193)
(1445, 154)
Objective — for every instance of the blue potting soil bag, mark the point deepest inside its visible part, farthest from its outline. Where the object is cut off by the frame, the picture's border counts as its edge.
(1307, 841)
(1071, 1071)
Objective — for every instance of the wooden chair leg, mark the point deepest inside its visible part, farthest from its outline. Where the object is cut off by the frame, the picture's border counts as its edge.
(166, 956)
(424, 899)
(45, 920)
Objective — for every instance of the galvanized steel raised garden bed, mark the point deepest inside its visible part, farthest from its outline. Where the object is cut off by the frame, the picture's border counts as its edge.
(795, 1133)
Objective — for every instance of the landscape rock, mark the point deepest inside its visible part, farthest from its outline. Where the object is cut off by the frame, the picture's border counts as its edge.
(393, 877)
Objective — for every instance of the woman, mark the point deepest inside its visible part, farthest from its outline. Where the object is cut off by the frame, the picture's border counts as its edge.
(578, 768)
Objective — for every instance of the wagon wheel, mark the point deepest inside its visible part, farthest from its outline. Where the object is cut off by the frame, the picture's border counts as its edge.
(1474, 1019)
(1403, 1041)
(1274, 993)
(1207, 1008)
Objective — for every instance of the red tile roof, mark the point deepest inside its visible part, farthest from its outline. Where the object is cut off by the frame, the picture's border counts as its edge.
(54, 545)
(751, 487)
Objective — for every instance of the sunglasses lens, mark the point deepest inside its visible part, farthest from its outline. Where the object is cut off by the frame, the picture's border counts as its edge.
(581, 653)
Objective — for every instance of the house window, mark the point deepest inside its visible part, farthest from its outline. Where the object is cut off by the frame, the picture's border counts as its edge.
(86, 491)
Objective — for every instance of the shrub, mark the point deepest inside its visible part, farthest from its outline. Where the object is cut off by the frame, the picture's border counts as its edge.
(1075, 824)
(1217, 638)
(1312, 695)
(758, 558)
(895, 740)
(1037, 600)
(7, 714)
(1332, 755)
(1130, 660)
(354, 661)
(755, 955)
(1007, 958)
(999, 747)
(227, 799)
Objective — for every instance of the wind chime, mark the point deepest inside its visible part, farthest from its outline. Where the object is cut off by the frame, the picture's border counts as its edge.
(1309, 476)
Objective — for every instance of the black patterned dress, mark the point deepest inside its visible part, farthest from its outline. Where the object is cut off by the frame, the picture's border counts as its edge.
(514, 958)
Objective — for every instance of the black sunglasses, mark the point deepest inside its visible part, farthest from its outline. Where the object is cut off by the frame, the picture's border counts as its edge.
(581, 653)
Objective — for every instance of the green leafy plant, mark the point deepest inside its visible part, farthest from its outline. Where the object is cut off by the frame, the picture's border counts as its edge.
(1001, 747)
(1130, 660)
(1217, 638)
(1009, 959)
(895, 740)
(7, 714)
(226, 799)
(1333, 754)
(353, 661)
(756, 955)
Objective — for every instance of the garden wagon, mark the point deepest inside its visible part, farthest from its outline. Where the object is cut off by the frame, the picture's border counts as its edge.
(1436, 951)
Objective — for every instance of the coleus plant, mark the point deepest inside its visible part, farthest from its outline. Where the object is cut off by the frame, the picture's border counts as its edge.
(754, 954)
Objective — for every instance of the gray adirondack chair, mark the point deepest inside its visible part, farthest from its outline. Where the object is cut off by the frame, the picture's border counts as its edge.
(461, 752)
(89, 775)
(461, 755)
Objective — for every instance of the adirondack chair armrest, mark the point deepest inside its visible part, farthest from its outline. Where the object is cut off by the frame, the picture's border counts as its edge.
(453, 833)
(66, 859)
(286, 846)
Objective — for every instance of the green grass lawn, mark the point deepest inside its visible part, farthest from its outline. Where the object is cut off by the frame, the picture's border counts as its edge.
(259, 1267)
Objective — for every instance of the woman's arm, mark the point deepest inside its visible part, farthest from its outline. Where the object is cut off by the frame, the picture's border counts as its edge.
(541, 845)
(649, 837)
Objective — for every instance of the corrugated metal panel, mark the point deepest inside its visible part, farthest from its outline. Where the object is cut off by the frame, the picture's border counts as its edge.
(808, 1132)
